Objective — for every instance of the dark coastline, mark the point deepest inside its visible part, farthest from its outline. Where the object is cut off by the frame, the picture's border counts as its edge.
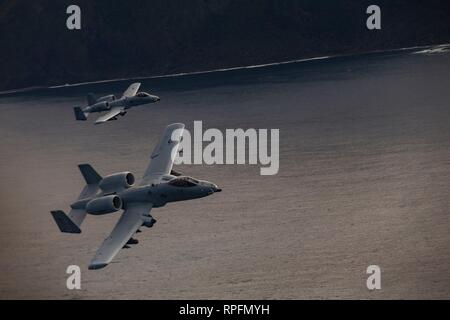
(140, 39)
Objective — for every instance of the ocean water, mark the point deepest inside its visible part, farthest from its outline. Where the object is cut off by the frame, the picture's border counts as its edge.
(364, 180)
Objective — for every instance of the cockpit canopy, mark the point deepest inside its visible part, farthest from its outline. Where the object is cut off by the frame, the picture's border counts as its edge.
(183, 182)
(142, 95)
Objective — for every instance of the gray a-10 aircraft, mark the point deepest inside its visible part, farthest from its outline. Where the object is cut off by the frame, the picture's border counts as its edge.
(115, 107)
(159, 186)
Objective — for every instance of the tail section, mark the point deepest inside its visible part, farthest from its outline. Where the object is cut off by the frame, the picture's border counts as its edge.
(79, 114)
(65, 224)
(71, 223)
(91, 99)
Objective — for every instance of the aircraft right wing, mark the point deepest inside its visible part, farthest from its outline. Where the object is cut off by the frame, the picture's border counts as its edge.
(114, 112)
(163, 156)
(130, 221)
(132, 90)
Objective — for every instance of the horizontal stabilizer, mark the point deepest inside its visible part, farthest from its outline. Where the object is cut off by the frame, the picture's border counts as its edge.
(89, 174)
(64, 223)
(79, 114)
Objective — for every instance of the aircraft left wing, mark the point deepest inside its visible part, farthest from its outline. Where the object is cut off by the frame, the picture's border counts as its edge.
(130, 221)
(114, 112)
(132, 90)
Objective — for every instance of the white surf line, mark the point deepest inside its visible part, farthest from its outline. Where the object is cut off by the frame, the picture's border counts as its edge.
(215, 70)
(406, 48)
(442, 48)
(181, 74)
(22, 90)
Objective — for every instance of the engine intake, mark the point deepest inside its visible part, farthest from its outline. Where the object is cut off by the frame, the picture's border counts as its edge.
(117, 181)
(104, 205)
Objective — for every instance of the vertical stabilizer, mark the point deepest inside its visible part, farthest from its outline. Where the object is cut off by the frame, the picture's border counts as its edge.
(89, 174)
(65, 224)
(79, 114)
(91, 99)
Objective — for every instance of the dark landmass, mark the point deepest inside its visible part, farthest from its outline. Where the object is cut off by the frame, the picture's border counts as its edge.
(142, 38)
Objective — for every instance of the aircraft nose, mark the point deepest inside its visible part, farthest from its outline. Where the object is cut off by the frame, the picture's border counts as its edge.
(213, 189)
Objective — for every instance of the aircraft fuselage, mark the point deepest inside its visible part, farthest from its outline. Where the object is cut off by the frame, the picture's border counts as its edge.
(141, 98)
(161, 194)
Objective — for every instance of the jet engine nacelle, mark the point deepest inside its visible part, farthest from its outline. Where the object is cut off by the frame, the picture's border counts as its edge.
(114, 182)
(109, 98)
(104, 205)
(99, 106)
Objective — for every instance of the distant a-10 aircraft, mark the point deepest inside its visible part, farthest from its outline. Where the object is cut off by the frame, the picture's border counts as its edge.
(115, 107)
(159, 186)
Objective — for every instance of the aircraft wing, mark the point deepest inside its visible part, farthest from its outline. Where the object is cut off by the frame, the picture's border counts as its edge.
(108, 116)
(163, 156)
(132, 90)
(130, 221)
